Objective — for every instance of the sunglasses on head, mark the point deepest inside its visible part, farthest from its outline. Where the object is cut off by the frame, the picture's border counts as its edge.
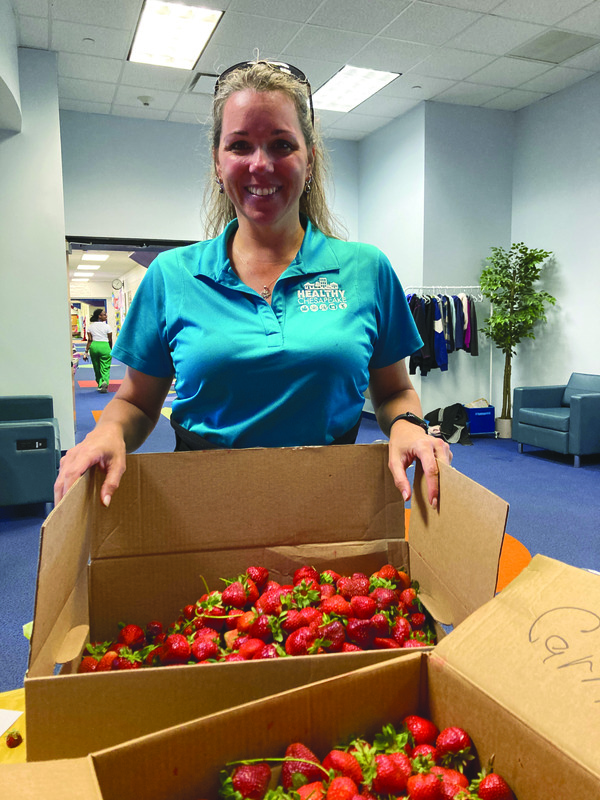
(280, 66)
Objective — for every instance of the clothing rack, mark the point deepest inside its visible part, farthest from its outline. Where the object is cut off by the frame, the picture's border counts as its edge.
(437, 289)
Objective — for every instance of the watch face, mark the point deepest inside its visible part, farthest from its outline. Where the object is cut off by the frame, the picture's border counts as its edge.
(117, 284)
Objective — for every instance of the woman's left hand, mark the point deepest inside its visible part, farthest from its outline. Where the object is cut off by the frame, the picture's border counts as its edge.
(409, 443)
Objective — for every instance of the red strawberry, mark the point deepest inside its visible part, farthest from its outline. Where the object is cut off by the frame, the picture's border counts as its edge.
(189, 612)
(311, 791)
(261, 628)
(175, 650)
(153, 629)
(234, 595)
(426, 751)
(306, 770)
(250, 647)
(336, 605)
(454, 747)
(422, 730)
(311, 616)
(380, 625)
(348, 647)
(401, 630)
(132, 636)
(269, 601)
(359, 632)
(344, 763)
(88, 664)
(334, 633)
(260, 575)
(384, 643)
(308, 574)
(450, 776)
(415, 643)
(127, 661)
(363, 607)
(106, 661)
(301, 642)
(408, 599)
(268, 651)
(329, 576)
(417, 620)
(424, 786)
(292, 621)
(358, 584)
(388, 573)
(326, 590)
(393, 771)
(203, 648)
(494, 787)
(384, 598)
(13, 738)
(341, 788)
(251, 780)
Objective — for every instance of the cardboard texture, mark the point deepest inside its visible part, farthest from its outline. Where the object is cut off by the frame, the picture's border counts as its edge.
(180, 516)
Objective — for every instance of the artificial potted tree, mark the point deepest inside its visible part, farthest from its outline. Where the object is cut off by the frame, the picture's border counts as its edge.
(517, 307)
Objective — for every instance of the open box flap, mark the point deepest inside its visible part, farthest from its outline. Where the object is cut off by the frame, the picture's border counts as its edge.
(455, 550)
(74, 778)
(225, 498)
(536, 648)
(61, 602)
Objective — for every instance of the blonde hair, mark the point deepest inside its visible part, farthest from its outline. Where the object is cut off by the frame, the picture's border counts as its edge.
(262, 77)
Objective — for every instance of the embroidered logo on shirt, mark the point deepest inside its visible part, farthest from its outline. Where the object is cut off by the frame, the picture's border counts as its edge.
(321, 296)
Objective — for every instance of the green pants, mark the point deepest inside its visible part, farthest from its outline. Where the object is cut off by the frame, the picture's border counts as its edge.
(100, 353)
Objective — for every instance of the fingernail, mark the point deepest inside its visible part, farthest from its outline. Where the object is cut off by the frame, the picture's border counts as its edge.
(106, 500)
(405, 495)
(434, 502)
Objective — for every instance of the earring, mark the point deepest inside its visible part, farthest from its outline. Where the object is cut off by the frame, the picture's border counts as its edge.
(219, 183)
(308, 184)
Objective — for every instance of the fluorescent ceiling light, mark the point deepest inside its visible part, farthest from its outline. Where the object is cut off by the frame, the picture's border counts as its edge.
(79, 280)
(350, 87)
(172, 34)
(80, 274)
(89, 266)
(93, 257)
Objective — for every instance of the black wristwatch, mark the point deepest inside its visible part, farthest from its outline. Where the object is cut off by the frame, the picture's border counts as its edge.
(410, 417)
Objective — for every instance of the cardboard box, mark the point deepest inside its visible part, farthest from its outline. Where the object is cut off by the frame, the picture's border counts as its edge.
(519, 675)
(180, 516)
(481, 420)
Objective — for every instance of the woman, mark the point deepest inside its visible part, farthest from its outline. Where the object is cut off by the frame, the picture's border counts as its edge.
(99, 346)
(273, 329)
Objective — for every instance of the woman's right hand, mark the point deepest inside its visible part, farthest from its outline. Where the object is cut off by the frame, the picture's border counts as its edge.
(105, 447)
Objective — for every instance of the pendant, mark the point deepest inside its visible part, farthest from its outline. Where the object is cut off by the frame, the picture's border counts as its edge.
(266, 293)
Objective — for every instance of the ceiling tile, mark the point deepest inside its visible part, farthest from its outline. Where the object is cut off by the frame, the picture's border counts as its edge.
(282, 9)
(160, 100)
(357, 15)
(391, 55)
(469, 94)
(430, 24)
(75, 65)
(556, 79)
(190, 103)
(471, 5)
(182, 117)
(359, 123)
(509, 72)
(381, 106)
(514, 99)
(351, 136)
(412, 86)
(495, 35)
(71, 37)
(589, 59)
(313, 41)
(547, 12)
(76, 89)
(152, 76)
(585, 21)
(248, 33)
(139, 113)
(33, 8)
(454, 64)
(107, 13)
(84, 106)
(33, 32)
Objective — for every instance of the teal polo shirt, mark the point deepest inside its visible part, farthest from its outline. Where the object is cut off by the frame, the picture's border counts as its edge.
(250, 374)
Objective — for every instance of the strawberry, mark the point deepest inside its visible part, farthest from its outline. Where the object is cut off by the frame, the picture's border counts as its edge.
(106, 661)
(494, 787)
(336, 605)
(348, 647)
(388, 573)
(311, 791)
(203, 648)
(333, 634)
(260, 575)
(326, 590)
(450, 776)
(417, 620)
(125, 661)
(251, 780)
(422, 730)
(175, 650)
(393, 771)
(401, 630)
(308, 574)
(384, 598)
(415, 643)
(358, 584)
(341, 788)
(153, 629)
(380, 625)
(363, 607)
(301, 642)
(454, 747)
(408, 600)
(261, 628)
(132, 636)
(292, 620)
(189, 612)
(425, 751)
(267, 651)
(311, 616)
(13, 738)
(88, 664)
(250, 647)
(359, 632)
(424, 786)
(385, 643)
(296, 773)
(329, 576)
(344, 763)
(269, 601)
(234, 595)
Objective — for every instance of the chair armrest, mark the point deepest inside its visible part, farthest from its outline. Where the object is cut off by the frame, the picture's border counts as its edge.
(536, 397)
(584, 427)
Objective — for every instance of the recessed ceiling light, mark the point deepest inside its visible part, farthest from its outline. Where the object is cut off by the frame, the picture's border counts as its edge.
(93, 257)
(89, 266)
(79, 280)
(84, 274)
(350, 87)
(172, 34)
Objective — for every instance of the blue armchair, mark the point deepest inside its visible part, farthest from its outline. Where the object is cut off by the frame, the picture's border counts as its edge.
(29, 449)
(564, 419)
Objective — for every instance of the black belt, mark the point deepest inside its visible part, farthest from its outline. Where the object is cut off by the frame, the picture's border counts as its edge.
(188, 440)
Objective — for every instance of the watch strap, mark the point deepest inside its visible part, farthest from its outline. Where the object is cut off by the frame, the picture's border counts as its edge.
(410, 417)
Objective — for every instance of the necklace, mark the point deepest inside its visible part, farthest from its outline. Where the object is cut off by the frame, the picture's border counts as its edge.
(266, 290)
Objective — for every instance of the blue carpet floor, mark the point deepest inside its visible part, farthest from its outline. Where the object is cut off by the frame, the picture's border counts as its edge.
(554, 510)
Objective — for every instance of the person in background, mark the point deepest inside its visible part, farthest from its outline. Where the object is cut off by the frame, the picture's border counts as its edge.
(274, 328)
(99, 347)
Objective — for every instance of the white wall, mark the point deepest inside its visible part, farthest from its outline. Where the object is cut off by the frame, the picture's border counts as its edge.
(10, 100)
(35, 357)
(556, 207)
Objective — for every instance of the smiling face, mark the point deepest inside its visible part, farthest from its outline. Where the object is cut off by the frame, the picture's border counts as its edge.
(262, 158)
